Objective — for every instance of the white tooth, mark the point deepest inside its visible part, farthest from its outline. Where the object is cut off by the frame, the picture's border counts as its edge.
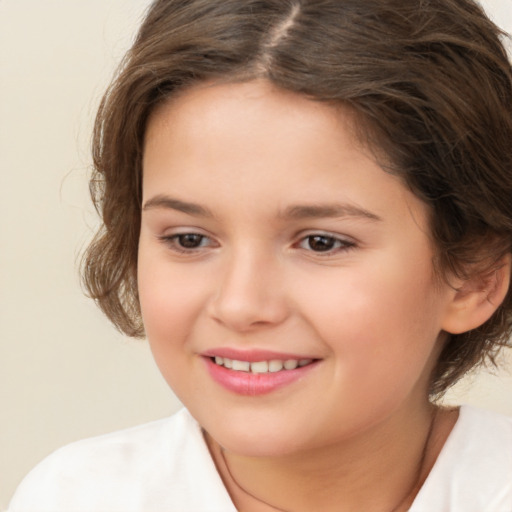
(219, 360)
(259, 367)
(275, 365)
(291, 364)
(304, 362)
(243, 366)
(228, 363)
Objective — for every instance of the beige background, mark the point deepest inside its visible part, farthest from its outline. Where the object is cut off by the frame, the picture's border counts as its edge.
(64, 372)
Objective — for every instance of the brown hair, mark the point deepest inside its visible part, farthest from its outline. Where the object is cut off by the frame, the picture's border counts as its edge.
(429, 81)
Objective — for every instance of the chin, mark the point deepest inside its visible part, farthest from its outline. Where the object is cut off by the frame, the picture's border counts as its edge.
(253, 440)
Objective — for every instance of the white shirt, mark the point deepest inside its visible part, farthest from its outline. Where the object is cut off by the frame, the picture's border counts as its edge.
(165, 466)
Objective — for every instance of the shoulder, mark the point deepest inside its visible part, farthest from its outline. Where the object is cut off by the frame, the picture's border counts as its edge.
(474, 422)
(473, 472)
(141, 468)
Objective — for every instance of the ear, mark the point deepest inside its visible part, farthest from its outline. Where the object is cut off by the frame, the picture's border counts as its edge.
(477, 298)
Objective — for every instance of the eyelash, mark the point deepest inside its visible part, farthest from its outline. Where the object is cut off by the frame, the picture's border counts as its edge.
(333, 244)
(174, 242)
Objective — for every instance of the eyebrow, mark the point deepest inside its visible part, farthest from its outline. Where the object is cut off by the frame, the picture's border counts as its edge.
(336, 210)
(166, 202)
(294, 212)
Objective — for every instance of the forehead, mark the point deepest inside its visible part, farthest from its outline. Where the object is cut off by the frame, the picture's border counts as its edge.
(263, 142)
(220, 105)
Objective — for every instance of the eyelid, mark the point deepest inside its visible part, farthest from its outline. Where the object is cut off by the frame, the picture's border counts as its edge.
(345, 243)
(171, 241)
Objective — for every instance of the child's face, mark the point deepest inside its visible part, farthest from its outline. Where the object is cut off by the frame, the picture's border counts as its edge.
(268, 234)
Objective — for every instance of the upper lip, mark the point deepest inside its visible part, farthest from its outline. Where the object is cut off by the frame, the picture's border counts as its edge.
(253, 355)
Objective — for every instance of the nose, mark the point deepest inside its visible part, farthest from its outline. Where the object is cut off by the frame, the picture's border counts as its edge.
(249, 294)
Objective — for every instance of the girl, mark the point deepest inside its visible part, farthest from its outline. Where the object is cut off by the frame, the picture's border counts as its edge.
(306, 209)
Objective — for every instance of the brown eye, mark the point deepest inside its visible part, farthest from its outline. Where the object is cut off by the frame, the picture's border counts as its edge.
(325, 243)
(188, 243)
(322, 243)
(190, 240)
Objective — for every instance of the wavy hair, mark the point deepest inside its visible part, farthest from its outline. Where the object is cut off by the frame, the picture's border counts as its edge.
(430, 84)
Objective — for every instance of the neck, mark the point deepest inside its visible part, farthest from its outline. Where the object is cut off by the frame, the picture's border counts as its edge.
(380, 470)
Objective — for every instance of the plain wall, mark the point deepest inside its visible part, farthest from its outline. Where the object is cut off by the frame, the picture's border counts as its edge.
(64, 372)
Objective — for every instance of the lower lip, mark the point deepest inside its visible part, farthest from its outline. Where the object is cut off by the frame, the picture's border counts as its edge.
(254, 384)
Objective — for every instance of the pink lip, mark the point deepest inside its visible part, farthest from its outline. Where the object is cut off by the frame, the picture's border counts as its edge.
(254, 384)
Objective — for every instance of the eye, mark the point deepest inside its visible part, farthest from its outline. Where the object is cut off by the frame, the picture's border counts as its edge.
(186, 242)
(189, 240)
(324, 243)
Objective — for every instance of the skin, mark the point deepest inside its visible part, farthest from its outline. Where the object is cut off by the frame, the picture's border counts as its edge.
(350, 434)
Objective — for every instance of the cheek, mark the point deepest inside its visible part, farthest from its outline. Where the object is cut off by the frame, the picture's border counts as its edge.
(382, 323)
(169, 307)
(169, 301)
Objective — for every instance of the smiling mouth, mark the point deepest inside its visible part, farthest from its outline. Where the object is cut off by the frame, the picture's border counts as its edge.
(270, 366)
